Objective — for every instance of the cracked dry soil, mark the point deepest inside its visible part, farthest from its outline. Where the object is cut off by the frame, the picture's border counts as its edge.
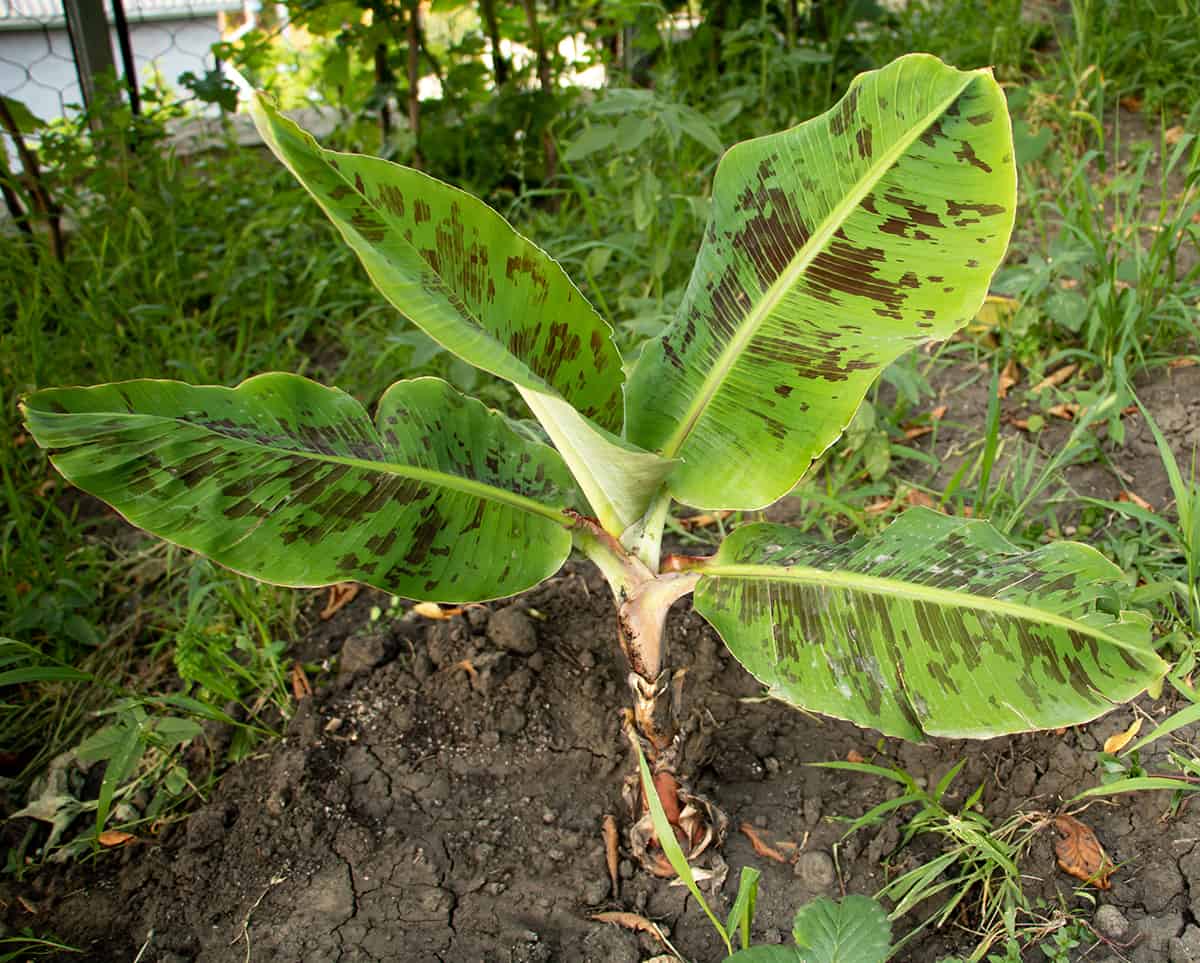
(417, 812)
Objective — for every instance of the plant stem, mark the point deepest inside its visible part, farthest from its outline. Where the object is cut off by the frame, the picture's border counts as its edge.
(646, 537)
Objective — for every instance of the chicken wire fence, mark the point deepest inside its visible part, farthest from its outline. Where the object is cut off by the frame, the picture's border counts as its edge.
(44, 61)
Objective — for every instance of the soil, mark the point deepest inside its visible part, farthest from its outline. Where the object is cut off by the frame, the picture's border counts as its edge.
(421, 810)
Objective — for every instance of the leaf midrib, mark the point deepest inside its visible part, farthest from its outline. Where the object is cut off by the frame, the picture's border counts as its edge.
(791, 274)
(431, 476)
(912, 591)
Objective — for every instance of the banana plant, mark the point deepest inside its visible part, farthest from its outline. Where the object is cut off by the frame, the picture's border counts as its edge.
(832, 248)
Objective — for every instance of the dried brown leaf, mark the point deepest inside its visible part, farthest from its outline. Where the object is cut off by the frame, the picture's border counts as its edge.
(1133, 498)
(855, 756)
(761, 846)
(1009, 378)
(630, 921)
(916, 431)
(879, 507)
(300, 684)
(1055, 378)
(340, 596)
(431, 610)
(1119, 740)
(1067, 410)
(611, 849)
(1182, 363)
(1079, 852)
(1173, 135)
(919, 499)
(114, 837)
(704, 520)
(1131, 103)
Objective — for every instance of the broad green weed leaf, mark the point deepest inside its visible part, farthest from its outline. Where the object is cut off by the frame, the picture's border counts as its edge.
(938, 626)
(856, 930)
(598, 137)
(291, 482)
(833, 248)
(461, 273)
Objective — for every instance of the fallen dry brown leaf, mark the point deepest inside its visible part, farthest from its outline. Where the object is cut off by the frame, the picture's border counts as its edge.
(939, 413)
(761, 847)
(114, 837)
(608, 829)
(855, 756)
(300, 684)
(431, 610)
(1009, 377)
(916, 431)
(1182, 363)
(1133, 498)
(877, 507)
(1079, 852)
(918, 499)
(630, 921)
(340, 596)
(1173, 135)
(704, 520)
(1119, 740)
(1055, 378)
(1132, 104)
(1067, 410)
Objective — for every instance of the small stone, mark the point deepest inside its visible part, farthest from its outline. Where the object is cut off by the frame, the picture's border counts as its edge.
(1111, 922)
(772, 765)
(587, 660)
(595, 891)
(536, 662)
(477, 617)
(512, 630)
(495, 888)
(490, 739)
(530, 936)
(812, 810)
(625, 869)
(549, 816)
(816, 870)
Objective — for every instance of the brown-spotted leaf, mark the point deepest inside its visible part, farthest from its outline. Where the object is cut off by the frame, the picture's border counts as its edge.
(833, 248)
(291, 482)
(936, 626)
(1079, 852)
(462, 274)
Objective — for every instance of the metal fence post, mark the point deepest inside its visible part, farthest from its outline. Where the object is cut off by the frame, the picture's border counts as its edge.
(87, 24)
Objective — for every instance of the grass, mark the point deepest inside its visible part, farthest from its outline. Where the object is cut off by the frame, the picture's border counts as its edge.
(213, 267)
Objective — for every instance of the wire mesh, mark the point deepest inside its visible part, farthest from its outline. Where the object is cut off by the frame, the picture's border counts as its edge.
(167, 38)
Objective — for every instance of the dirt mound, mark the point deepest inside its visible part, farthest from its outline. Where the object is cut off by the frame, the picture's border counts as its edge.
(443, 800)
